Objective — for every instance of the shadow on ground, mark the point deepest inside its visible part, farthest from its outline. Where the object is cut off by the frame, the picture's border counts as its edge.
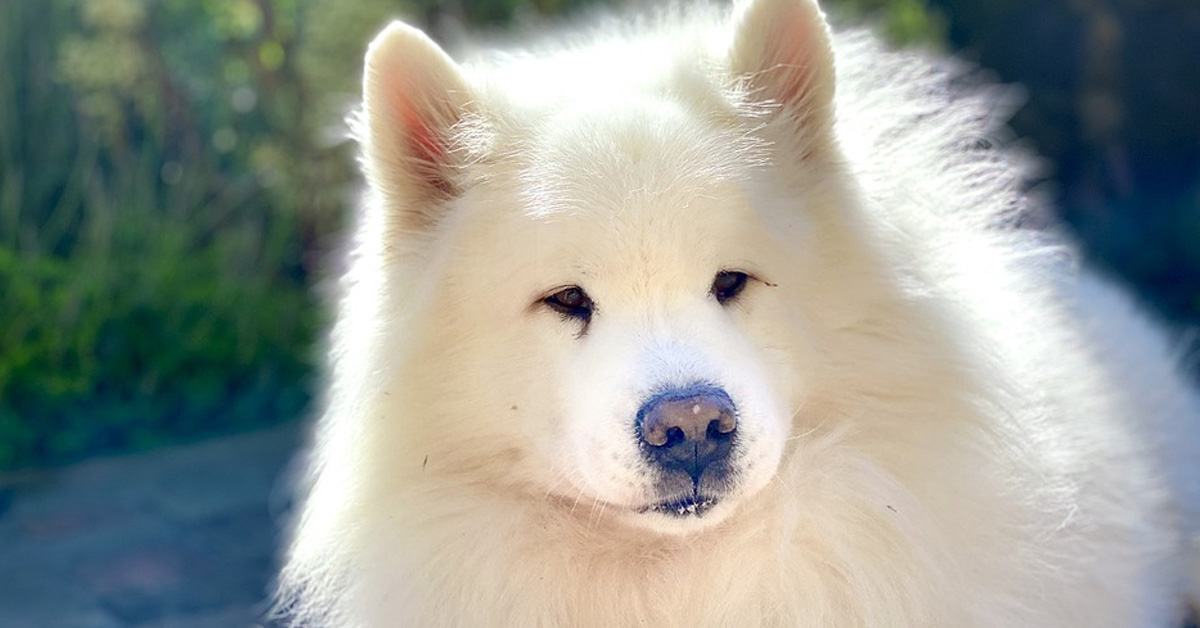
(182, 537)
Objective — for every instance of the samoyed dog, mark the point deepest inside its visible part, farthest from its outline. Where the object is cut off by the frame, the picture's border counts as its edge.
(717, 319)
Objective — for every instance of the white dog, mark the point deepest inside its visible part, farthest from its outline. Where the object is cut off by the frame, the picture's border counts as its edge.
(667, 326)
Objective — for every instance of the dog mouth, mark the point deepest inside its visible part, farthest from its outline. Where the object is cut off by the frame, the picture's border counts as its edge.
(690, 506)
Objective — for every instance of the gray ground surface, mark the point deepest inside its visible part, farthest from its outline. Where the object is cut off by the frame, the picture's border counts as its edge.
(181, 537)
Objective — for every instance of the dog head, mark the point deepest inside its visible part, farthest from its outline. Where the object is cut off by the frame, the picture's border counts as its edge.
(591, 253)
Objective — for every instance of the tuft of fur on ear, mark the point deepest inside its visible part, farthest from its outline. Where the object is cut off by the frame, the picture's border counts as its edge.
(413, 96)
(782, 52)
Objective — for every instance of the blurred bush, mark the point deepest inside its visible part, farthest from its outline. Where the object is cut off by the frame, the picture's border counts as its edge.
(163, 191)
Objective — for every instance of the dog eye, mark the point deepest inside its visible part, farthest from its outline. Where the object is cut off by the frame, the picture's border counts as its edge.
(728, 284)
(571, 301)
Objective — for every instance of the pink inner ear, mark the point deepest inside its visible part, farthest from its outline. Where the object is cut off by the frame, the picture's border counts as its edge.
(421, 138)
(423, 143)
(788, 57)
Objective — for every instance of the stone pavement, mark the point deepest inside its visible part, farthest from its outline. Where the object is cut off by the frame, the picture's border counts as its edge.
(180, 537)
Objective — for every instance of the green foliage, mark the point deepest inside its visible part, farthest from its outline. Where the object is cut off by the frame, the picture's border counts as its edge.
(154, 223)
(904, 22)
(99, 358)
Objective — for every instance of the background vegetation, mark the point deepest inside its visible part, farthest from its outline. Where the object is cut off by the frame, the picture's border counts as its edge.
(173, 174)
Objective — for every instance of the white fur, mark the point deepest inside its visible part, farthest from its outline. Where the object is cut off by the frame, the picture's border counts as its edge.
(935, 428)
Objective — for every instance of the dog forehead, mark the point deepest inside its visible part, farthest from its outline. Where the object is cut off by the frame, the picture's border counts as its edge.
(640, 246)
(632, 153)
(620, 185)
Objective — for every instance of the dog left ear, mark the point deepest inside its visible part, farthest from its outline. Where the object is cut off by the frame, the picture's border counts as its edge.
(782, 50)
(413, 96)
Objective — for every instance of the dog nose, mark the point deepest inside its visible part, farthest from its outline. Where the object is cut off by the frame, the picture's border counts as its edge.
(688, 429)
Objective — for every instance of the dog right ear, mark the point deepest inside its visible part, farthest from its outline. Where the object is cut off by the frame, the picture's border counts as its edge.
(413, 96)
(783, 53)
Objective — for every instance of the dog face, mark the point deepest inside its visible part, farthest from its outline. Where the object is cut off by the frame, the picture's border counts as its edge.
(651, 311)
(604, 325)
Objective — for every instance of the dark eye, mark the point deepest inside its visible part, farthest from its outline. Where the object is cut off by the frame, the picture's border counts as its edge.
(571, 301)
(728, 284)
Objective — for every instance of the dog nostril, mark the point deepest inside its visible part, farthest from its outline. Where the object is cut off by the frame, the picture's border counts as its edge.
(722, 427)
(656, 434)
